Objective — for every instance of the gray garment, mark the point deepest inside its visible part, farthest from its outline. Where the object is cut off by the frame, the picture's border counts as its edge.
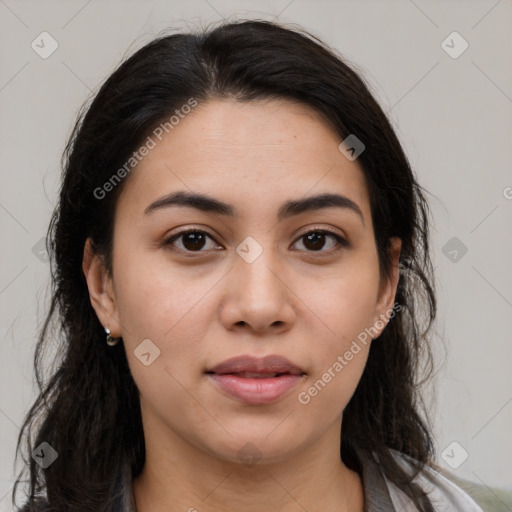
(376, 493)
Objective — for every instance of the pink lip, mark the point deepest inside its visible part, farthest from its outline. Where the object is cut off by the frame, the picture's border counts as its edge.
(246, 363)
(256, 391)
(252, 390)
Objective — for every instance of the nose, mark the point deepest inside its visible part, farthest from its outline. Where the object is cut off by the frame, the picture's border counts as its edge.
(258, 296)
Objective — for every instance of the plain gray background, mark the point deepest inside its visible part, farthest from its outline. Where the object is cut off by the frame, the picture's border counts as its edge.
(452, 113)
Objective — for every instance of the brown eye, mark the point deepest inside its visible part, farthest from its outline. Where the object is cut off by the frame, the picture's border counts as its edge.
(192, 240)
(315, 241)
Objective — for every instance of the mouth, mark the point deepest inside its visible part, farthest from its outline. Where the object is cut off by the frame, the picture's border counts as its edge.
(255, 390)
(256, 381)
(257, 367)
(253, 375)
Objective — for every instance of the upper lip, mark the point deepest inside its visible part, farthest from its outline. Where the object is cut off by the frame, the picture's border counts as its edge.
(271, 364)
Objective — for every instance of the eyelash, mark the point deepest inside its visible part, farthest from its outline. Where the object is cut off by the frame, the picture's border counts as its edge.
(341, 242)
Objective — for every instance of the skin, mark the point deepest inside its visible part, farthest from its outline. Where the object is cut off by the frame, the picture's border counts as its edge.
(202, 308)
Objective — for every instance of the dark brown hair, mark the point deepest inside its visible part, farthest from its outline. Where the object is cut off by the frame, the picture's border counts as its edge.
(88, 407)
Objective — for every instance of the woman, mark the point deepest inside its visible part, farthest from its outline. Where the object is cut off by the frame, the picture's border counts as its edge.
(240, 262)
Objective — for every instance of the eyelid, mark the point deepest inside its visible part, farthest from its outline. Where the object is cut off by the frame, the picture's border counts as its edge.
(322, 229)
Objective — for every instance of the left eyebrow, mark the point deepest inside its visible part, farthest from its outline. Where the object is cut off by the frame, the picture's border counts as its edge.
(288, 209)
(318, 202)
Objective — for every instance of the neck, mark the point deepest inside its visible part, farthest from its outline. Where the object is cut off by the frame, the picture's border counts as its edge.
(180, 477)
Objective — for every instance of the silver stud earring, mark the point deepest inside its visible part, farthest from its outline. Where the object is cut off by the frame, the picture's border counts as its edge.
(111, 341)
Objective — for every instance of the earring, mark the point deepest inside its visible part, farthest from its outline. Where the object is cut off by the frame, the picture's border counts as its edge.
(111, 341)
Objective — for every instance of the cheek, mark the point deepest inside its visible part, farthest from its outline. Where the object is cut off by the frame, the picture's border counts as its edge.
(335, 378)
(172, 310)
(155, 299)
(345, 304)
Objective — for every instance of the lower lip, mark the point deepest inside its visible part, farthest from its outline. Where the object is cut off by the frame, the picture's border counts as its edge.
(256, 391)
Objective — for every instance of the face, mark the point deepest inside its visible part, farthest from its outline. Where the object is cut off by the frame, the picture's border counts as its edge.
(253, 279)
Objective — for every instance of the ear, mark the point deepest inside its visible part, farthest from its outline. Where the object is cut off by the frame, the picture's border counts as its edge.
(387, 289)
(101, 290)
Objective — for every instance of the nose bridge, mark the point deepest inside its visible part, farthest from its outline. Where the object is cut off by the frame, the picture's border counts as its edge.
(259, 295)
(257, 268)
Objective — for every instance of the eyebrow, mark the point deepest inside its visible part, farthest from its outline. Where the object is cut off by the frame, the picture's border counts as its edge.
(288, 209)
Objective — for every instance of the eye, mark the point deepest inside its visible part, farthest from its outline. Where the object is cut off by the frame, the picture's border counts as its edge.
(315, 240)
(192, 240)
(195, 240)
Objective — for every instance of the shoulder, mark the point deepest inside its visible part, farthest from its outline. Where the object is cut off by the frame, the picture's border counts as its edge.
(444, 494)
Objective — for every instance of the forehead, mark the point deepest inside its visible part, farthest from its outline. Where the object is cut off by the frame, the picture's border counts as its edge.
(258, 151)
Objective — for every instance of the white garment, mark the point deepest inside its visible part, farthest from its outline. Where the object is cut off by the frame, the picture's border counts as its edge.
(444, 494)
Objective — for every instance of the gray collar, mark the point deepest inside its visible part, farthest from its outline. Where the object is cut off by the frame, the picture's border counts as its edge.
(376, 493)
